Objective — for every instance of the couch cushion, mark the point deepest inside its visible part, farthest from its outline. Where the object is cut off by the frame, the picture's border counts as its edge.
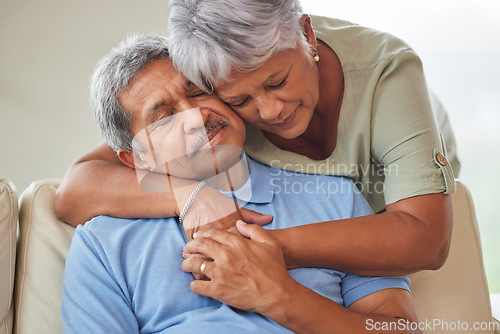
(458, 291)
(43, 244)
(8, 228)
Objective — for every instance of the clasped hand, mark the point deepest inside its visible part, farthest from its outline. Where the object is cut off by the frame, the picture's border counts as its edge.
(245, 270)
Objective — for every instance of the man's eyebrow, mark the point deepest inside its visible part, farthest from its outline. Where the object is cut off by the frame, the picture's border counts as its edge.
(153, 111)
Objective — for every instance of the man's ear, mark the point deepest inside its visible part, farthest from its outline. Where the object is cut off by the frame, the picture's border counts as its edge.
(132, 159)
(308, 30)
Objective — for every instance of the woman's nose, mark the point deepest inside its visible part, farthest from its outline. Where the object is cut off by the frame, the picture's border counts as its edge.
(270, 107)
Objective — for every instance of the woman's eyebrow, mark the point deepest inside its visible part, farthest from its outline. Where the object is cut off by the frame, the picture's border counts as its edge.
(265, 83)
(270, 78)
(232, 98)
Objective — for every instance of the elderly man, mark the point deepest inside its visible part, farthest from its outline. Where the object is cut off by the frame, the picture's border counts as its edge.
(125, 275)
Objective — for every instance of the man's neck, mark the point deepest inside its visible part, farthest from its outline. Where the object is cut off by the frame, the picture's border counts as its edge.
(232, 178)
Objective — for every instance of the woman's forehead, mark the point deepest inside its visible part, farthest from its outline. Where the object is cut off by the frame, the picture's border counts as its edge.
(241, 81)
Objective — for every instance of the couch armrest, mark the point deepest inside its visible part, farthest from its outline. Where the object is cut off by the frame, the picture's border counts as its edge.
(495, 310)
(8, 229)
(42, 247)
(440, 294)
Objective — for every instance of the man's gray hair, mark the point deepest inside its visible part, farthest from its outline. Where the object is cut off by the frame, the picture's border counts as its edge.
(208, 38)
(112, 75)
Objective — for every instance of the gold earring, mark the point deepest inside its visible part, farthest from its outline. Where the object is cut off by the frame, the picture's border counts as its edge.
(316, 55)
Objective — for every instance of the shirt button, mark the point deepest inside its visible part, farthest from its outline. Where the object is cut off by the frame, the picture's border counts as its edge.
(441, 159)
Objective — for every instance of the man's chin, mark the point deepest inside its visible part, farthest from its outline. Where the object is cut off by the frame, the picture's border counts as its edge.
(205, 163)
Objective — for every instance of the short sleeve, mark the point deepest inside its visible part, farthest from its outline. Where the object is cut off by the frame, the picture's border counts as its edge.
(92, 300)
(405, 135)
(355, 287)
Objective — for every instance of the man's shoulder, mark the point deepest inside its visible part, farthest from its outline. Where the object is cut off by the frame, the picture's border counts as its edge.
(107, 222)
(105, 227)
(114, 238)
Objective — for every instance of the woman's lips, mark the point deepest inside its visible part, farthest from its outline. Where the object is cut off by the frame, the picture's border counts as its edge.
(287, 121)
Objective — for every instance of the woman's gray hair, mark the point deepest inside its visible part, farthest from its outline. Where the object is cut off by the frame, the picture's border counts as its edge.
(112, 75)
(208, 38)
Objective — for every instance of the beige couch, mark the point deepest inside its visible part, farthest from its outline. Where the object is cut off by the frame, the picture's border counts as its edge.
(456, 292)
(8, 227)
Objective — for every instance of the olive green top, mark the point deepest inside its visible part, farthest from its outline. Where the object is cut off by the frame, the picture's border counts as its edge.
(391, 131)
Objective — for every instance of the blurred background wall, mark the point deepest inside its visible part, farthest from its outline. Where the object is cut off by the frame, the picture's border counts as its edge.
(48, 50)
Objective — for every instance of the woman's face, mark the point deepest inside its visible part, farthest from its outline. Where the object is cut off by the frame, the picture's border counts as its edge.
(279, 97)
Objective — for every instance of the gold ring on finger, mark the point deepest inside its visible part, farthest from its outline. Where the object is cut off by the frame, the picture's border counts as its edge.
(203, 266)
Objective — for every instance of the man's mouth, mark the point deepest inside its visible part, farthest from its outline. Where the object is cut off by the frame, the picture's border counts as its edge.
(211, 136)
(208, 137)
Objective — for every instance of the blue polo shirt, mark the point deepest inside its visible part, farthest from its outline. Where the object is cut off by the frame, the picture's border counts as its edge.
(125, 276)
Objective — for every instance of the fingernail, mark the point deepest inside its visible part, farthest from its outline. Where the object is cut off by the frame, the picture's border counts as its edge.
(195, 235)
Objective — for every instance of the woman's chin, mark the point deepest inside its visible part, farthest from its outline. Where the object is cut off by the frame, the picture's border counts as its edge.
(291, 133)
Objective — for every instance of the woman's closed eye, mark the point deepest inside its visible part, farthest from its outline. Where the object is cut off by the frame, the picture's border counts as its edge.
(243, 102)
(198, 93)
(239, 104)
(279, 84)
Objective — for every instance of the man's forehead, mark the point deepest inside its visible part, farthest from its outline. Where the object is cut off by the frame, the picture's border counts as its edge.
(185, 81)
(159, 73)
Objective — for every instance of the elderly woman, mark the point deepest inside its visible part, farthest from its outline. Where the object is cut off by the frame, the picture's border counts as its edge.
(327, 96)
(320, 96)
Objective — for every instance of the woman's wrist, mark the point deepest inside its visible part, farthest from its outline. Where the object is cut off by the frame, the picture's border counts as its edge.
(286, 239)
(180, 191)
(190, 200)
(292, 303)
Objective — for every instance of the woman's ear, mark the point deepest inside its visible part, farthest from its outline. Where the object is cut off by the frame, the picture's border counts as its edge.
(132, 159)
(308, 30)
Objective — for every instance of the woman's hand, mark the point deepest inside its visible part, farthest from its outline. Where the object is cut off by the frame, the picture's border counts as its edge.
(246, 271)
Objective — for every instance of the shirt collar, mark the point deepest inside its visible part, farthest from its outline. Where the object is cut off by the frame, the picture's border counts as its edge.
(258, 188)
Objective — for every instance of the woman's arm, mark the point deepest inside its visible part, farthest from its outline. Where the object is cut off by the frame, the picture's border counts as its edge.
(250, 274)
(99, 184)
(413, 234)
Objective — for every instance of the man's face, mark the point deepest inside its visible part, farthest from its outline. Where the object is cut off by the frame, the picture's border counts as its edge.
(183, 131)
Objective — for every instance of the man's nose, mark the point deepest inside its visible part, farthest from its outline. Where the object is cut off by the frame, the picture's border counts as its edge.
(193, 119)
(270, 106)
